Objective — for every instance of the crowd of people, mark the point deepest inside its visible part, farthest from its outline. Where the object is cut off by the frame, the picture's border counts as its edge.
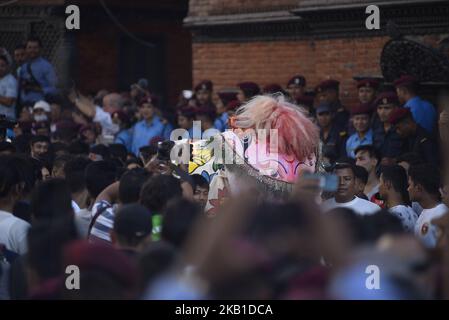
(86, 179)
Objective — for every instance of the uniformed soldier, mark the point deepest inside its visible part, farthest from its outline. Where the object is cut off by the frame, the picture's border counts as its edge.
(203, 93)
(416, 138)
(363, 135)
(333, 141)
(367, 89)
(204, 100)
(385, 139)
(296, 86)
(328, 91)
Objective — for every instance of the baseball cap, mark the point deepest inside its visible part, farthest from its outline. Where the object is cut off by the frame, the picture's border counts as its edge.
(133, 221)
(42, 105)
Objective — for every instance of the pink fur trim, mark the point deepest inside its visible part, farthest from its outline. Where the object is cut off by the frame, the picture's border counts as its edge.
(297, 135)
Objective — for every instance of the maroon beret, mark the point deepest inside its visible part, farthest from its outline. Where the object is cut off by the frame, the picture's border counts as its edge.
(405, 80)
(364, 108)
(149, 99)
(327, 84)
(205, 85)
(272, 88)
(250, 87)
(233, 105)
(297, 80)
(121, 115)
(207, 110)
(187, 111)
(227, 96)
(305, 101)
(367, 82)
(87, 127)
(388, 97)
(399, 114)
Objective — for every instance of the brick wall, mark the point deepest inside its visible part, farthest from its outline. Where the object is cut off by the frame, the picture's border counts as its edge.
(226, 60)
(266, 62)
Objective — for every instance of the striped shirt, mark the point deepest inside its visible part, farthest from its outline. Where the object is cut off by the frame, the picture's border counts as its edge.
(105, 221)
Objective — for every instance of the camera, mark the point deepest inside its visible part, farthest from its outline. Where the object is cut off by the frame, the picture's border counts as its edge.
(5, 124)
(164, 149)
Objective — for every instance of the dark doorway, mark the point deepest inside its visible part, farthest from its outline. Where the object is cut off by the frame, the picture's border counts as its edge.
(137, 60)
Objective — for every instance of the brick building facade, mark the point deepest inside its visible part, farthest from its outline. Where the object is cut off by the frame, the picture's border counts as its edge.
(118, 42)
(176, 43)
(269, 41)
(134, 39)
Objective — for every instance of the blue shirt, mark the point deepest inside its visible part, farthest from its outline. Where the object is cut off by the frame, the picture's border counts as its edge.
(423, 112)
(221, 122)
(190, 132)
(8, 89)
(354, 141)
(142, 132)
(44, 73)
(124, 137)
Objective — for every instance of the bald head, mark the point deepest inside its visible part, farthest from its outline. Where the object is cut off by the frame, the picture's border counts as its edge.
(112, 102)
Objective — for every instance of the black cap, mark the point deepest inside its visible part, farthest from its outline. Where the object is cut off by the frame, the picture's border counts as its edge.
(101, 150)
(133, 221)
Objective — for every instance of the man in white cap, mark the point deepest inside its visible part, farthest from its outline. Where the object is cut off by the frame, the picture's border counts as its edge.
(41, 111)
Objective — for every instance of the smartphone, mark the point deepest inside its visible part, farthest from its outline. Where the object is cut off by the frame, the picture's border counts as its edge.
(328, 182)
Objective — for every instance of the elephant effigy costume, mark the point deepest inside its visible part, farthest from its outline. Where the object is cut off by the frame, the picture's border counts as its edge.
(271, 142)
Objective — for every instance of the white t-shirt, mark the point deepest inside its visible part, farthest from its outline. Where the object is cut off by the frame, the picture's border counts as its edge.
(13, 232)
(105, 120)
(360, 206)
(82, 222)
(8, 89)
(75, 207)
(407, 215)
(424, 229)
